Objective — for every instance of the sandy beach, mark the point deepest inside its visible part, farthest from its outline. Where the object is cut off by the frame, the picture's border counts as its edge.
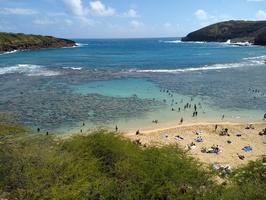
(230, 145)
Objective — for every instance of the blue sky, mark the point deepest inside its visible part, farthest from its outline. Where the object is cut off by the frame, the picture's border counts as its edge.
(122, 18)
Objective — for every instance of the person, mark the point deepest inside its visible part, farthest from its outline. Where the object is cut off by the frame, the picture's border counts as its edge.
(181, 120)
(179, 109)
(241, 157)
(265, 116)
(137, 133)
(83, 124)
(216, 126)
(223, 116)
(81, 130)
(38, 130)
(116, 128)
(47, 133)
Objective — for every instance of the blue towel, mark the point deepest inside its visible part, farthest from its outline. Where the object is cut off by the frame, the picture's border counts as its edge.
(247, 148)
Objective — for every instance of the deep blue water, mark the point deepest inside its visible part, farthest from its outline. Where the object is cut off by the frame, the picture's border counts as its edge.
(134, 53)
(63, 84)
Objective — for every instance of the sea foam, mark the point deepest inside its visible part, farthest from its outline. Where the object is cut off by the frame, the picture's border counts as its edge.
(9, 52)
(247, 62)
(29, 70)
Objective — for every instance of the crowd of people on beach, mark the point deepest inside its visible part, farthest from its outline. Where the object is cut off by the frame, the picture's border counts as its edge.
(215, 148)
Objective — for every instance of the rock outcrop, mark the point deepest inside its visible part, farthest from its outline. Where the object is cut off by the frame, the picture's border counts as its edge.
(20, 41)
(237, 31)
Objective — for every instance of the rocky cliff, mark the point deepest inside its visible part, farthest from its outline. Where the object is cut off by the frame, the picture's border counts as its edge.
(236, 31)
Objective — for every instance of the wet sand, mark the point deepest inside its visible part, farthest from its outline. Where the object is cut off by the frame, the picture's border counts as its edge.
(228, 154)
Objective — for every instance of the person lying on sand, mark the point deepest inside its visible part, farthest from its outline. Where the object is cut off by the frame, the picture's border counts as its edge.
(250, 126)
(241, 157)
(263, 132)
(178, 138)
(224, 132)
(191, 146)
(197, 132)
(198, 139)
(214, 149)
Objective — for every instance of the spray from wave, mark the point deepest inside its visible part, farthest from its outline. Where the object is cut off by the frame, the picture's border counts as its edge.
(9, 52)
(29, 70)
(173, 41)
(81, 45)
(73, 68)
(179, 41)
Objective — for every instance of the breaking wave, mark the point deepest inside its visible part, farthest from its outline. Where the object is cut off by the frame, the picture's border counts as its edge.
(73, 68)
(81, 45)
(29, 70)
(179, 41)
(173, 41)
(248, 62)
(9, 52)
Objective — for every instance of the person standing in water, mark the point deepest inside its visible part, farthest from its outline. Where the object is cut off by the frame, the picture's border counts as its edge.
(181, 120)
(116, 128)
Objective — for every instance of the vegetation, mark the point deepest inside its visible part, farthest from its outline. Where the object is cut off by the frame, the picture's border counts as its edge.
(236, 31)
(20, 41)
(103, 165)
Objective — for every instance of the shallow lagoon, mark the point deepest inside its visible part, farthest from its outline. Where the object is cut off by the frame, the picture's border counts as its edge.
(124, 83)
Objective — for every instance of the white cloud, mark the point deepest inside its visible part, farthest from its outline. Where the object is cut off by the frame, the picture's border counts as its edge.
(136, 24)
(204, 18)
(131, 13)
(261, 15)
(74, 7)
(17, 11)
(201, 14)
(98, 8)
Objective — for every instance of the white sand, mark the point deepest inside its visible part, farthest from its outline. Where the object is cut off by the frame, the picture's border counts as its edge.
(229, 152)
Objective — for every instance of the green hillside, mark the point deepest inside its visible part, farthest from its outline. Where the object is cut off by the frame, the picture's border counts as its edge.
(103, 165)
(20, 41)
(236, 31)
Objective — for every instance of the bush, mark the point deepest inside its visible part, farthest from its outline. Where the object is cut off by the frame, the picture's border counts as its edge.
(103, 165)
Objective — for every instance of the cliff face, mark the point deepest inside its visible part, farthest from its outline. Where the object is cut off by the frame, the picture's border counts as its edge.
(236, 31)
(19, 41)
(261, 38)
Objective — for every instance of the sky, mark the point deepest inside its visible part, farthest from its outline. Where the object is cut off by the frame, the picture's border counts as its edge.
(122, 18)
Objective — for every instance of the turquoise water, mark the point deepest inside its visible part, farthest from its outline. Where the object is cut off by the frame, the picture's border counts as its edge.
(130, 82)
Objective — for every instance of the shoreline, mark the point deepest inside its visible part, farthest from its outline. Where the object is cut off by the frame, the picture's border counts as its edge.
(191, 124)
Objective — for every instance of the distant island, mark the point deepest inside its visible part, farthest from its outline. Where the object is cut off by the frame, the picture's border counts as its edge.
(253, 32)
(20, 41)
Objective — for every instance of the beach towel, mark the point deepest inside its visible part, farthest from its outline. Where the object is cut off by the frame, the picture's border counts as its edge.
(247, 148)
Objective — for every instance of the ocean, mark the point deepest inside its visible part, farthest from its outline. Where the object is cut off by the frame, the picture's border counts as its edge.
(131, 82)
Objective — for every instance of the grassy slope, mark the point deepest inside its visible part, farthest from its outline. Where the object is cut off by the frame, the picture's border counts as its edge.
(106, 166)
